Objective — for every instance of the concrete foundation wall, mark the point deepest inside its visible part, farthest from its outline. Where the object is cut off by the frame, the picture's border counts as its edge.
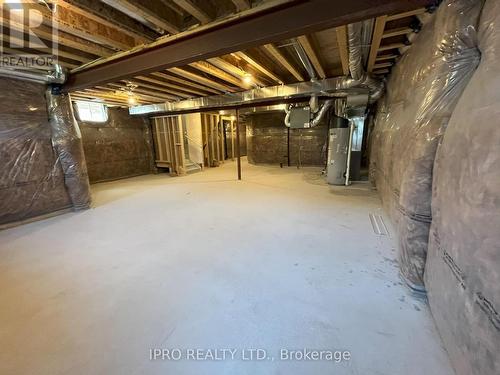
(31, 177)
(269, 141)
(118, 148)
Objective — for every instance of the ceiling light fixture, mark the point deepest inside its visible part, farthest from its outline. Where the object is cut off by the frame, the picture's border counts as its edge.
(247, 78)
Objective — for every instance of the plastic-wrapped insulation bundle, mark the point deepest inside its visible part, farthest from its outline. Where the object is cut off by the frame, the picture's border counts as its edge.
(421, 94)
(462, 273)
(31, 178)
(67, 142)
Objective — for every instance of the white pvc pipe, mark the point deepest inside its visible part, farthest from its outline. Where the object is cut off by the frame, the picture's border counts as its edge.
(349, 150)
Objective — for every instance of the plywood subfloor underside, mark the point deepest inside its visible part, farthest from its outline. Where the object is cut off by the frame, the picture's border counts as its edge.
(279, 260)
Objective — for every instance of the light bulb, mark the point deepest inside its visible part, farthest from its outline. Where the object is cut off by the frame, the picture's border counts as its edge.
(247, 78)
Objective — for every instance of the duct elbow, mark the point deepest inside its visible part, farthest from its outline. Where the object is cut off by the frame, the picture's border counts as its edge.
(321, 113)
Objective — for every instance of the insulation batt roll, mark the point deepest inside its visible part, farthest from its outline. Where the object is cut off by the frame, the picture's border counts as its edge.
(462, 273)
(422, 92)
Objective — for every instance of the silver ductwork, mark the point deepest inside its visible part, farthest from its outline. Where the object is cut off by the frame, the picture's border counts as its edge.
(358, 85)
(358, 74)
(304, 59)
(57, 76)
(333, 87)
(321, 113)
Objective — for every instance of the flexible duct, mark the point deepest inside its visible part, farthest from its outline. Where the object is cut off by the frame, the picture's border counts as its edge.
(321, 113)
(358, 74)
(319, 116)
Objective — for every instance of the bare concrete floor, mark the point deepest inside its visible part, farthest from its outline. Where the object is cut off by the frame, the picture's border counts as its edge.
(277, 261)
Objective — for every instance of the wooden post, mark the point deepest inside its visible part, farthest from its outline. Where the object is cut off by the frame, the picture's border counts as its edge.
(238, 156)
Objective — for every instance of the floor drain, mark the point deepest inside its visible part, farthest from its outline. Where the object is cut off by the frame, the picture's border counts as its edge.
(378, 225)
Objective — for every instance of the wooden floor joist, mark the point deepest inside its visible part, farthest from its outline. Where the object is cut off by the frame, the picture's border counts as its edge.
(282, 60)
(261, 25)
(259, 66)
(378, 31)
(312, 54)
(341, 33)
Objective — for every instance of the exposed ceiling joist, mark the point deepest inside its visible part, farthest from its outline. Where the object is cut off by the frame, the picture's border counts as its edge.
(241, 4)
(231, 69)
(219, 73)
(258, 66)
(63, 39)
(281, 59)
(87, 28)
(312, 54)
(378, 31)
(410, 13)
(88, 97)
(199, 78)
(195, 10)
(109, 16)
(150, 13)
(248, 29)
(397, 32)
(60, 53)
(185, 82)
(392, 46)
(386, 57)
(137, 96)
(140, 91)
(107, 94)
(341, 33)
(382, 65)
(170, 86)
(160, 88)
